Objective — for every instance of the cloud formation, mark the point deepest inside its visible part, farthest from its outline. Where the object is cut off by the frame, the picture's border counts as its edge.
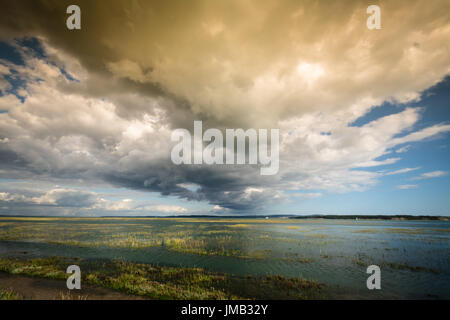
(55, 200)
(407, 186)
(97, 106)
(428, 175)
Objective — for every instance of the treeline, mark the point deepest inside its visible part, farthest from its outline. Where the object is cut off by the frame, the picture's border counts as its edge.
(371, 217)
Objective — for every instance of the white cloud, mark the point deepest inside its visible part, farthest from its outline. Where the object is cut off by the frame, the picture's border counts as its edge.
(422, 134)
(306, 195)
(428, 175)
(407, 186)
(86, 201)
(404, 170)
(54, 197)
(403, 149)
(374, 163)
(164, 209)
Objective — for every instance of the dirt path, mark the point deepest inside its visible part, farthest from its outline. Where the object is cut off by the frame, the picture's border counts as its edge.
(50, 289)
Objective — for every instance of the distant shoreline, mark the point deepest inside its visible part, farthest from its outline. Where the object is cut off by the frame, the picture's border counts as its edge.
(330, 217)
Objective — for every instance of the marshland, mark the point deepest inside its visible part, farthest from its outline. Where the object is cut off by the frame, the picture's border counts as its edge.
(233, 258)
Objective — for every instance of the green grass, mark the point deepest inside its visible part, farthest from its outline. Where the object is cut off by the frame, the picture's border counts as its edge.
(405, 266)
(361, 261)
(158, 282)
(206, 239)
(8, 294)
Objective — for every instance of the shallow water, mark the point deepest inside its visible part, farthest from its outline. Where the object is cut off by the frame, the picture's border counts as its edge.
(414, 256)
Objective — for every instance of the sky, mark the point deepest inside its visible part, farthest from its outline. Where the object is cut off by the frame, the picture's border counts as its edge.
(86, 115)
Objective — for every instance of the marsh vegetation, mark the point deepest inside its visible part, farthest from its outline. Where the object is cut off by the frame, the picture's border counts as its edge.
(335, 253)
(158, 282)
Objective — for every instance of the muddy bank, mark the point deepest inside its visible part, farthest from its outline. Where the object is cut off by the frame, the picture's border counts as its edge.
(51, 289)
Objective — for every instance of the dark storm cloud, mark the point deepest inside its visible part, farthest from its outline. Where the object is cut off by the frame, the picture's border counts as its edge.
(237, 63)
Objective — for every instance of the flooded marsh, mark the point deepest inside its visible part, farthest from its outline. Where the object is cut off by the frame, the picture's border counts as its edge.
(414, 256)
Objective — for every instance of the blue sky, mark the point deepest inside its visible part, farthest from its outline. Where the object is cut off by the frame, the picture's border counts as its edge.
(430, 197)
